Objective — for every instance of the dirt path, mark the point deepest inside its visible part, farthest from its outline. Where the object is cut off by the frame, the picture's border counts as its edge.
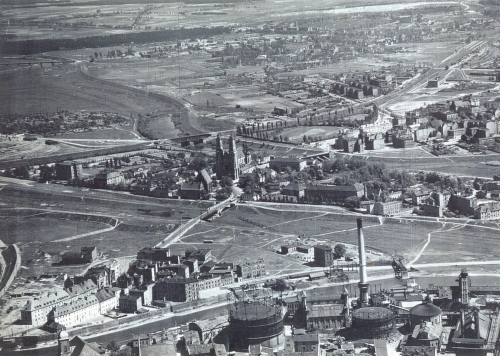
(89, 233)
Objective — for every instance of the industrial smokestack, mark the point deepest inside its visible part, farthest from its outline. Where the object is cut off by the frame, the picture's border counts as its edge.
(363, 279)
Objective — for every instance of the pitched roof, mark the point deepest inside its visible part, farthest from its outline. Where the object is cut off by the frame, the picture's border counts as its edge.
(326, 310)
(82, 348)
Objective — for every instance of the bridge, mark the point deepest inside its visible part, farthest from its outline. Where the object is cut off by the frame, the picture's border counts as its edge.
(214, 210)
(186, 140)
(41, 63)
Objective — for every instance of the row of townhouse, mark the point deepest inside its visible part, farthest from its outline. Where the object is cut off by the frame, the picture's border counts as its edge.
(70, 306)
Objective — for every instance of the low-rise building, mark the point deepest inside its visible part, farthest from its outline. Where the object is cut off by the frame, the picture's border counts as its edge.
(302, 343)
(279, 164)
(334, 193)
(191, 190)
(86, 255)
(488, 211)
(107, 178)
(387, 208)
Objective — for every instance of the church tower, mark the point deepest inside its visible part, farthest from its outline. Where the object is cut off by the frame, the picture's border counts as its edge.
(219, 157)
(63, 344)
(233, 158)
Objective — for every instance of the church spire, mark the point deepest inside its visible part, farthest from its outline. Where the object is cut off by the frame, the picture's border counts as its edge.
(232, 143)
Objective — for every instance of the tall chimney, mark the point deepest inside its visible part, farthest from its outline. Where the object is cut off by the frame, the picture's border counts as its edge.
(363, 279)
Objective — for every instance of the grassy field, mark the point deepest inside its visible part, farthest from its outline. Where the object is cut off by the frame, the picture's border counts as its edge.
(462, 243)
(106, 134)
(470, 165)
(242, 240)
(297, 134)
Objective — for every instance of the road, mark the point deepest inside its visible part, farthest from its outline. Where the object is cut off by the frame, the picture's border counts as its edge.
(126, 332)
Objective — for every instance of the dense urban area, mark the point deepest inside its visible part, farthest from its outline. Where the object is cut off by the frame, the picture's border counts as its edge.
(249, 177)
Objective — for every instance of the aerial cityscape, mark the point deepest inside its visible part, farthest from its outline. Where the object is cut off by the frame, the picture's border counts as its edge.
(249, 178)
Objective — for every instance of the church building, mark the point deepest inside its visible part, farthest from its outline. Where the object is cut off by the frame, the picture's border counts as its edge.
(228, 163)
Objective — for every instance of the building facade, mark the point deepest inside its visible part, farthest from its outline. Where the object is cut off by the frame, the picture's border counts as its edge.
(228, 163)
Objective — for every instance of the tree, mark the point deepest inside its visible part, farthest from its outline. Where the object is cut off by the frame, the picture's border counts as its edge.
(352, 202)
(204, 195)
(280, 284)
(339, 250)
(22, 171)
(112, 346)
(226, 181)
(223, 193)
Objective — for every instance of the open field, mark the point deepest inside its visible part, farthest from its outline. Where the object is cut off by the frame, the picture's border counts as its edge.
(84, 17)
(63, 87)
(51, 218)
(106, 134)
(469, 165)
(323, 225)
(478, 243)
(422, 52)
(297, 134)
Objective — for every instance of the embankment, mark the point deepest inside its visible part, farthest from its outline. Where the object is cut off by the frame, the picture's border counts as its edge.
(10, 262)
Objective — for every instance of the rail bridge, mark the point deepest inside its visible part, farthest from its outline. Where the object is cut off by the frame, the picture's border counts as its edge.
(41, 63)
(186, 140)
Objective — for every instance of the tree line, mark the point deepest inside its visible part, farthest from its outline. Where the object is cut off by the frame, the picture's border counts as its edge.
(35, 46)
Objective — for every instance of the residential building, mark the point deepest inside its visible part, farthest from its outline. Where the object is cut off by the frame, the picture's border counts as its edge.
(386, 208)
(76, 346)
(130, 303)
(75, 311)
(144, 292)
(403, 141)
(155, 254)
(107, 178)
(191, 190)
(251, 270)
(107, 299)
(177, 289)
(487, 211)
(418, 197)
(462, 205)
(35, 311)
(302, 343)
(295, 190)
(279, 164)
(202, 255)
(332, 193)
